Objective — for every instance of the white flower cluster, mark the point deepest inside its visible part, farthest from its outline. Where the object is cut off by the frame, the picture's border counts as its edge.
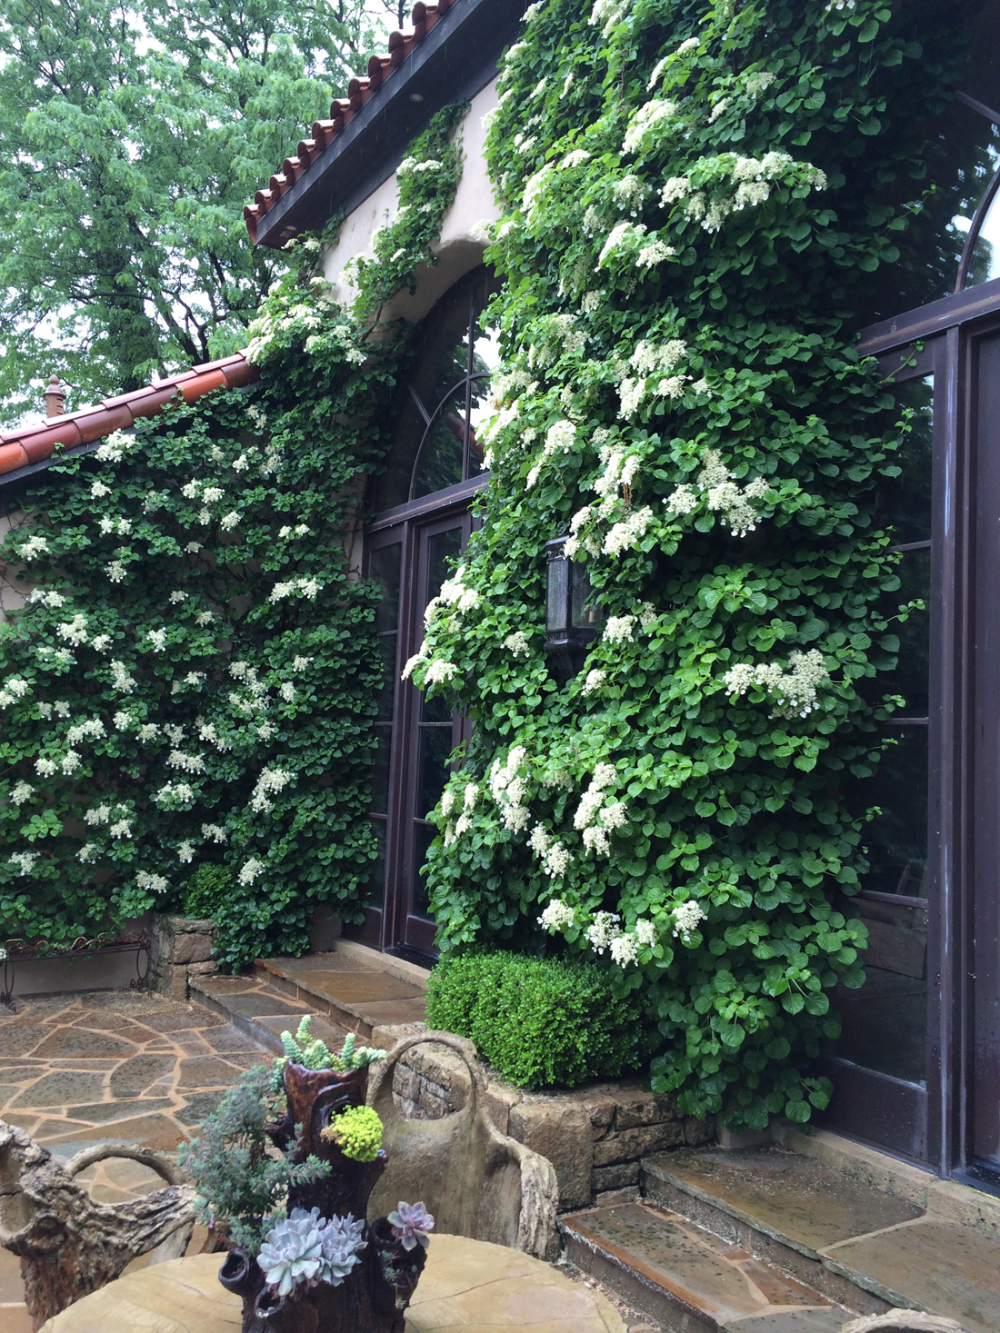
(686, 919)
(300, 530)
(271, 780)
(14, 688)
(595, 679)
(649, 123)
(213, 832)
(188, 763)
(625, 235)
(120, 679)
(74, 631)
(509, 788)
(722, 495)
(559, 334)
(157, 639)
(92, 729)
(34, 547)
(22, 791)
(174, 791)
(559, 439)
(517, 644)
(603, 929)
(752, 178)
(793, 691)
(250, 871)
(556, 916)
(607, 14)
(117, 445)
(26, 861)
(52, 599)
(152, 883)
(555, 856)
(597, 815)
(302, 586)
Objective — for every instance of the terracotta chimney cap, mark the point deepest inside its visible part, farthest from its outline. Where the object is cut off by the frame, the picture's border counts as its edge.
(55, 398)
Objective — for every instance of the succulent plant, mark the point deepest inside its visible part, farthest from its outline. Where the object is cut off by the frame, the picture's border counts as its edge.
(304, 1049)
(304, 1249)
(292, 1252)
(410, 1224)
(357, 1132)
(342, 1244)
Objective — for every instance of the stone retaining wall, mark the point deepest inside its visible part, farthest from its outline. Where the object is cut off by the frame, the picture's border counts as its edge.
(180, 948)
(594, 1136)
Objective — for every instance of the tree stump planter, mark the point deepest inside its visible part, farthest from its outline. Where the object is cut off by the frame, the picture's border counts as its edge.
(373, 1297)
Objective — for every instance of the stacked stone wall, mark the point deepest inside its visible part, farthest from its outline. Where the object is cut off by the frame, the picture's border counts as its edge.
(180, 948)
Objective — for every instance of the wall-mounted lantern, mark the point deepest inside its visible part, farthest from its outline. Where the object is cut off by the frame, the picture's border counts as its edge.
(572, 619)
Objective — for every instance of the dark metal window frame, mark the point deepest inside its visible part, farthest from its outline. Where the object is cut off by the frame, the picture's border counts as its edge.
(930, 1125)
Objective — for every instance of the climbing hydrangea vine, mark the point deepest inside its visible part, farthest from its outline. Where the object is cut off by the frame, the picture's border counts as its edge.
(192, 677)
(696, 196)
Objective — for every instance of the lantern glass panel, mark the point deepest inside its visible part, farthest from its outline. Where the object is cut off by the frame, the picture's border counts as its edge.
(584, 610)
(557, 594)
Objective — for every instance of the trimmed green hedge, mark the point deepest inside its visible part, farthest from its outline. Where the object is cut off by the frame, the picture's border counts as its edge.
(538, 1021)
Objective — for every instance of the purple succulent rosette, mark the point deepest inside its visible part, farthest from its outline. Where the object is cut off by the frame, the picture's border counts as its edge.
(410, 1224)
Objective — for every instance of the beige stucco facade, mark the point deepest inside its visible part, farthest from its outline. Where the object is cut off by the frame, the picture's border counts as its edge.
(460, 247)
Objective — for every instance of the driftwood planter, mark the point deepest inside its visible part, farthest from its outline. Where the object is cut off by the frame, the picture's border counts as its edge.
(374, 1295)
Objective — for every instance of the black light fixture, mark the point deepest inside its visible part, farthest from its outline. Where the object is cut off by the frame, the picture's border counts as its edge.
(572, 619)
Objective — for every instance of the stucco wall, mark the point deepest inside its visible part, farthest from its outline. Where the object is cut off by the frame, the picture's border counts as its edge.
(13, 590)
(461, 245)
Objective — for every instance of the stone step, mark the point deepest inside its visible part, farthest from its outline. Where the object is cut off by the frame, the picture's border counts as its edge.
(839, 1234)
(352, 993)
(262, 1011)
(688, 1280)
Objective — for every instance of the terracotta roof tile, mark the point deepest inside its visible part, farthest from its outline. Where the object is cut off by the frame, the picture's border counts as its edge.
(34, 444)
(343, 110)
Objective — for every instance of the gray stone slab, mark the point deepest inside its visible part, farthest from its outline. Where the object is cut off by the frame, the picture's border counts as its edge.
(690, 1266)
(135, 1076)
(256, 1004)
(199, 1106)
(103, 1113)
(66, 1043)
(941, 1267)
(65, 1088)
(792, 1321)
(800, 1201)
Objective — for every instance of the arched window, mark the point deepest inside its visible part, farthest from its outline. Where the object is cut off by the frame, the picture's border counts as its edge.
(434, 443)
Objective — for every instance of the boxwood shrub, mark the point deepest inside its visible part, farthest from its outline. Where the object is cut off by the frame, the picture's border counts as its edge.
(538, 1021)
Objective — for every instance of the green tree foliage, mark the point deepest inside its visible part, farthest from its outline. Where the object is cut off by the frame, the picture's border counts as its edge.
(128, 146)
(697, 198)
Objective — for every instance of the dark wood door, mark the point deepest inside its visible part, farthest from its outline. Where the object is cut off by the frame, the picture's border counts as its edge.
(410, 556)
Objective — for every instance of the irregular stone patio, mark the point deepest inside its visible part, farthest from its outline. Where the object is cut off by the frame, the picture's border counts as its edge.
(115, 1065)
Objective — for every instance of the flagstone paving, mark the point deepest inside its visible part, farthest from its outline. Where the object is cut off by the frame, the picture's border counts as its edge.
(114, 1065)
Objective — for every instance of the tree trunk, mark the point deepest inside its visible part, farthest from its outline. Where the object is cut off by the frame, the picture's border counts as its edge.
(69, 1245)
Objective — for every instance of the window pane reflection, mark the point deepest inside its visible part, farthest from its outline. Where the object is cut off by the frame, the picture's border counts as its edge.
(905, 501)
(435, 749)
(897, 837)
(424, 835)
(911, 677)
(383, 567)
(376, 880)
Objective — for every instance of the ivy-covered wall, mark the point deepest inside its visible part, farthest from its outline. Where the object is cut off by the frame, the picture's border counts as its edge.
(192, 679)
(704, 201)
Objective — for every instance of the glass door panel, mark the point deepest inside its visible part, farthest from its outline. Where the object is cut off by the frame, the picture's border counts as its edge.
(881, 1057)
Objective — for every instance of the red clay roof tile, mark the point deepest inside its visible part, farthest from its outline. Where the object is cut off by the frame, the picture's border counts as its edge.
(34, 444)
(342, 111)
